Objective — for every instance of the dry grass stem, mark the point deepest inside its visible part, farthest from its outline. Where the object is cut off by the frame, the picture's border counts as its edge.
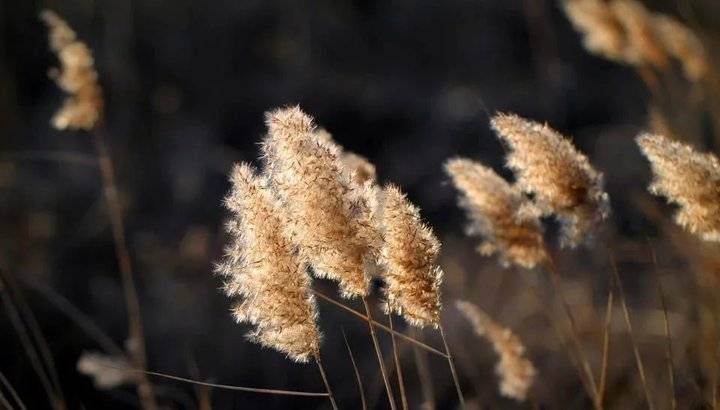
(516, 372)
(76, 76)
(358, 379)
(262, 269)
(559, 177)
(493, 207)
(689, 179)
(379, 325)
(328, 216)
(410, 255)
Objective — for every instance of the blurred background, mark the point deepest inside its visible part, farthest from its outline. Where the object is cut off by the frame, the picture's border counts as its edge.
(407, 84)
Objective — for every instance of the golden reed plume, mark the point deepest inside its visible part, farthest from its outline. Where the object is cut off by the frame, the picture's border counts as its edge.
(560, 178)
(516, 372)
(263, 270)
(687, 178)
(410, 254)
(330, 218)
(356, 167)
(625, 31)
(494, 209)
(77, 77)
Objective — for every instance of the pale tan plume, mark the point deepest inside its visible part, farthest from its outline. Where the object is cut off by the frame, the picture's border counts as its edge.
(330, 217)
(263, 272)
(515, 371)
(77, 77)
(494, 208)
(687, 178)
(559, 177)
(410, 254)
(627, 32)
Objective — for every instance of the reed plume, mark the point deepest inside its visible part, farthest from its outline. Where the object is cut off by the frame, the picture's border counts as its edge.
(626, 32)
(410, 254)
(356, 167)
(560, 179)
(263, 270)
(330, 218)
(687, 178)
(76, 76)
(494, 209)
(107, 372)
(515, 371)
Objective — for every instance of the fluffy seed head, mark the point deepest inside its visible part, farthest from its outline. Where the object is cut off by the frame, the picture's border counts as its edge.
(107, 372)
(687, 178)
(410, 254)
(77, 77)
(356, 167)
(625, 31)
(516, 372)
(330, 216)
(263, 271)
(559, 177)
(494, 208)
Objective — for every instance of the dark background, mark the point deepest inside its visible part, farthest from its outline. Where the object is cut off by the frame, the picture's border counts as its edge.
(407, 84)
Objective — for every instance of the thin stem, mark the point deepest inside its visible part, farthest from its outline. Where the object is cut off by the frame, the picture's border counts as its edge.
(570, 350)
(453, 372)
(398, 367)
(355, 369)
(9, 387)
(379, 355)
(28, 346)
(668, 338)
(628, 323)
(606, 349)
(36, 333)
(575, 335)
(4, 403)
(325, 381)
(377, 324)
(225, 386)
(136, 347)
(424, 376)
(83, 321)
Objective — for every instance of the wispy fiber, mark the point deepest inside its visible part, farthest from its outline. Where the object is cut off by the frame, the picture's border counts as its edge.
(494, 209)
(410, 255)
(76, 76)
(262, 269)
(687, 178)
(329, 216)
(516, 372)
(626, 32)
(358, 168)
(560, 178)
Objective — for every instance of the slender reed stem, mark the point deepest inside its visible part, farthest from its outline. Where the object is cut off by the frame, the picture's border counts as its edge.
(668, 338)
(453, 372)
(355, 369)
(424, 375)
(29, 347)
(628, 323)
(606, 350)
(225, 386)
(575, 335)
(398, 367)
(9, 387)
(378, 352)
(4, 403)
(570, 350)
(377, 324)
(136, 347)
(325, 381)
(83, 321)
